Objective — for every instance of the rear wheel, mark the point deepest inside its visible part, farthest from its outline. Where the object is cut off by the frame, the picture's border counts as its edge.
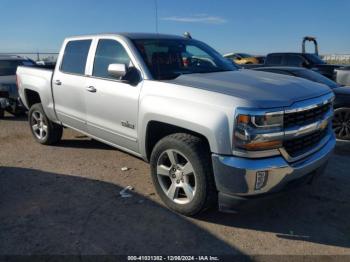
(44, 131)
(341, 123)
(182, 173)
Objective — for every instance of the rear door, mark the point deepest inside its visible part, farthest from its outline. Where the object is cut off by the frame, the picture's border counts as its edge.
(112, 104)
(69, 83)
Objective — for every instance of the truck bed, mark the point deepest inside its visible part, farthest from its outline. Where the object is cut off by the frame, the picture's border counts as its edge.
(36, 79)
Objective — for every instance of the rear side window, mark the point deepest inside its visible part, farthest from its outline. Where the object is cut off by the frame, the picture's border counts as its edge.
(274, 60)
(109, 52)
(75, 56)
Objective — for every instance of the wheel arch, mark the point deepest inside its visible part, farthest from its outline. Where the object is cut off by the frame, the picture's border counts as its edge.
(157, 130)
(31, 97)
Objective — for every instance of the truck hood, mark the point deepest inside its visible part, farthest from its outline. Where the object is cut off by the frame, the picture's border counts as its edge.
(342, 90)
(261, 89)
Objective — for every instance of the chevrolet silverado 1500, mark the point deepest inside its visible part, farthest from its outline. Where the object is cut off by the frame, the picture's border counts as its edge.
(211, 132)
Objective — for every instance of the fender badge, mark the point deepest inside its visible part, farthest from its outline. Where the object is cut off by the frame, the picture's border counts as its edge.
(128, 125)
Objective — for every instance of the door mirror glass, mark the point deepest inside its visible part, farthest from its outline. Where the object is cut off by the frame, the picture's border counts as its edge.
(117, 70)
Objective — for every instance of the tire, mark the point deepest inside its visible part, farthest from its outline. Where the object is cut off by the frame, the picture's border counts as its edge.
(341, 123)
(44, 131)
(2, 113)
(182, 174)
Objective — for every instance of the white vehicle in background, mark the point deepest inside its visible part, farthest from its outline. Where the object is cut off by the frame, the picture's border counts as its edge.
(9, 98)
(343, 76)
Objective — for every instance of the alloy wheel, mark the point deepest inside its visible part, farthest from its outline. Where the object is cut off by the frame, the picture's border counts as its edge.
(39, 125)
(341, 123)
(176, 176)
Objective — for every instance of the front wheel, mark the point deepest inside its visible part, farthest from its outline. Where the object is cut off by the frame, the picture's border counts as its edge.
(182, 173)
(44, 131)
(341, 123)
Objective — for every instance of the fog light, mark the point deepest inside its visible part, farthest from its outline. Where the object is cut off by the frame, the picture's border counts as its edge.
(261, 179)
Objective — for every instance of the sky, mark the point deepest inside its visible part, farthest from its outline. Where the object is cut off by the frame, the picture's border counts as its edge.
(252, 26)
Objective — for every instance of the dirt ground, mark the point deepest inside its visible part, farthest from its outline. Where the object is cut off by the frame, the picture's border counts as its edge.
(65, 199)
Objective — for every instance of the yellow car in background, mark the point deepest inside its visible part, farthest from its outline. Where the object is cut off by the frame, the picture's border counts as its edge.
(242, 58)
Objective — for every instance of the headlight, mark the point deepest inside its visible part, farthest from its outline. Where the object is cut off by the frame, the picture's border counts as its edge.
(258, 131)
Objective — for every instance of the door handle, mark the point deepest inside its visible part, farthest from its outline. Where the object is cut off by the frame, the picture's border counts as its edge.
(58, 82)
(91, 89)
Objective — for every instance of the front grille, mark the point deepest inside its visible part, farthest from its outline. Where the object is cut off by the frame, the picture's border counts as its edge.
(4, 94)
(306, 116)
(298, 146)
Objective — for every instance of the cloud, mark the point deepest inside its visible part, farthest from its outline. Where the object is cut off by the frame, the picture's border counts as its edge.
(199, 18)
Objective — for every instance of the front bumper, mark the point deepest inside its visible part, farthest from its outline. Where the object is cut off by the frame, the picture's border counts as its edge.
(235, 177)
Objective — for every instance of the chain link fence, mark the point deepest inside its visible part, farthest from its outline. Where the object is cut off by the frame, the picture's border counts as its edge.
(36, 56)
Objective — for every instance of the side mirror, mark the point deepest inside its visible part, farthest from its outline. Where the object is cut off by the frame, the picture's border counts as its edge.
(117, 70)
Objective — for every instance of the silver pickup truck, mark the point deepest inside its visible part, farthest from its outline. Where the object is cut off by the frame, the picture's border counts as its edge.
(211, 132)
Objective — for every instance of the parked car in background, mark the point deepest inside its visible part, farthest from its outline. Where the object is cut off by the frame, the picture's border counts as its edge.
(343, 75)
(9, 98)
(242, 58)
(306, 60)
(212, 133)
(341, 119)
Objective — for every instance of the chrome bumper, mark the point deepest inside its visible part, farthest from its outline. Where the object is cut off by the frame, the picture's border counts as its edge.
(237, 176)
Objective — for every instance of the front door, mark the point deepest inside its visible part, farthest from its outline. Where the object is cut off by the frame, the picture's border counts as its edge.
(112, 104)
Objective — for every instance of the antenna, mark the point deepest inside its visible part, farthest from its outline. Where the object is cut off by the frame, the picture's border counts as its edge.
(156, 13)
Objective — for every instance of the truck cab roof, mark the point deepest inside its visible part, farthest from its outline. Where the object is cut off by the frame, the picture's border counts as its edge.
(133, 36)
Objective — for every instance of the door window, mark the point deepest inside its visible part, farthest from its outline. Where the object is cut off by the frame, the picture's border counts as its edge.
(75, 56)
(109, 52)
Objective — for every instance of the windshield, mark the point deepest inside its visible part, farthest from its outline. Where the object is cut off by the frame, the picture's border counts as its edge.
(316, 77)
(315, 59)
(170, 58)
(9, 67)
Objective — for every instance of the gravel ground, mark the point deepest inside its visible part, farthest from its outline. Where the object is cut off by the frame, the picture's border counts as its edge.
(65, 199)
